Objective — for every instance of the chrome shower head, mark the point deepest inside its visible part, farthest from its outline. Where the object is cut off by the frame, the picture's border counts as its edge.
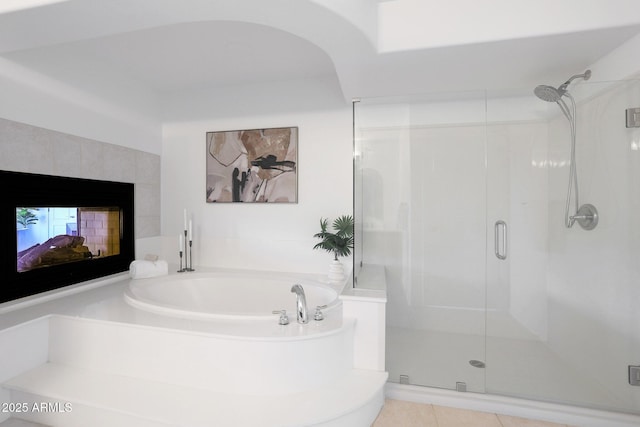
(551, 94)
(548, 93)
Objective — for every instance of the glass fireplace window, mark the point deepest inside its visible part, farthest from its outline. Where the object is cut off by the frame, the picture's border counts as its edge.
(59, 231)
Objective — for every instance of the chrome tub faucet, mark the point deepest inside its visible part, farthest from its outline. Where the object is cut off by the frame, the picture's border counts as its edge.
(301, 303)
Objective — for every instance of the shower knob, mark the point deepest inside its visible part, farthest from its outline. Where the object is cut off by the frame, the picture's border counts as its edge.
(284, 318)
(587, 217)
(318, 316)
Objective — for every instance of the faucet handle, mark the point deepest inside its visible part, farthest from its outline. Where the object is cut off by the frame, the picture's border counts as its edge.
(318, 314)
(284, 319)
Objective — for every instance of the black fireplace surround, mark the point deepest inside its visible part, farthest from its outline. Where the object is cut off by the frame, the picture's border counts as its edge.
(33, 190)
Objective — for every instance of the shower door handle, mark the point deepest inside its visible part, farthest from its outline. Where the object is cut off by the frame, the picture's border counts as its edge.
(500, 250)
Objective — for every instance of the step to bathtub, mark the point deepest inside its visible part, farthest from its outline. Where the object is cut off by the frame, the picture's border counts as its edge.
(80, 397)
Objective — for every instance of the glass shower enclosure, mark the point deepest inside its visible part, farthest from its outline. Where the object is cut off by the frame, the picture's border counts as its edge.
(460, 201)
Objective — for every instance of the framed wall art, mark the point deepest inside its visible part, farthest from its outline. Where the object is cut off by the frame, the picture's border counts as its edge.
(252, 166)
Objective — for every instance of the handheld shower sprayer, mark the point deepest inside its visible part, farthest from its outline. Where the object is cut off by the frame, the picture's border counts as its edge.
(551, 94)
(586, 215)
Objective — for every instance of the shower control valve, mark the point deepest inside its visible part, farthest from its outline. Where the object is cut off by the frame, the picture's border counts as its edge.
(284, 318)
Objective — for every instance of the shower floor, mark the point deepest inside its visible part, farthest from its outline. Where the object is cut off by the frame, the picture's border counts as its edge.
(514, 367)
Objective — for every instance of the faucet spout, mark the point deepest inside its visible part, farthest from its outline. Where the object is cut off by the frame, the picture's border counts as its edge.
(301, 303)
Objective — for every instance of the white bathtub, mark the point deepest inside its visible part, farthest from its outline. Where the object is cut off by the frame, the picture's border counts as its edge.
(226, 296)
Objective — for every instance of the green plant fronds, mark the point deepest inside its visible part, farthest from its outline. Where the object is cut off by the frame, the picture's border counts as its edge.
(339, 243)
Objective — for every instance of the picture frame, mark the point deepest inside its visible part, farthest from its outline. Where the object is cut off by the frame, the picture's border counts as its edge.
(252, 166)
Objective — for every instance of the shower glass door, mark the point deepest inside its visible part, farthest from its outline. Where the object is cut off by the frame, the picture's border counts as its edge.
(421, 206)
(563, 323)
(459, 203)
(517, 218)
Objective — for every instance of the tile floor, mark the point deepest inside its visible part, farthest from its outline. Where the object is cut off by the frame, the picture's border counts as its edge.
(396, 413)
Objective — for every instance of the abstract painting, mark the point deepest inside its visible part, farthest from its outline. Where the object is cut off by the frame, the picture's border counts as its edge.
(253, 166)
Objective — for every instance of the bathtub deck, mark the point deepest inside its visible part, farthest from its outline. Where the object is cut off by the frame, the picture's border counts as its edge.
(119, 365)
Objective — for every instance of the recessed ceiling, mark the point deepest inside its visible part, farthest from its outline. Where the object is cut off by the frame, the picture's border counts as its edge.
(170, 47)
(507, 64)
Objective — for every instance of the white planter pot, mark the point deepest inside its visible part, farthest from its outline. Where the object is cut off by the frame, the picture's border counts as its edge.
(336, 271)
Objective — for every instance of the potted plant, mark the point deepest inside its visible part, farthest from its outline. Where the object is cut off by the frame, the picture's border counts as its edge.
(25, 217)
(339, 243)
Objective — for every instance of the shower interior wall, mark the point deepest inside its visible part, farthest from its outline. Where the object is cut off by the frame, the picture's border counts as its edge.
(437, 174)
(425, 204)
(593, 277)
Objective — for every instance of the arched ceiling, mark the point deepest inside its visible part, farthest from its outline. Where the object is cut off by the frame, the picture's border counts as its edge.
(185, 56)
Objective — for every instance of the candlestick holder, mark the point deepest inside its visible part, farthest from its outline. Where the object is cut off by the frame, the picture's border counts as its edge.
(186, 254)
(190, 263)
(182, 270)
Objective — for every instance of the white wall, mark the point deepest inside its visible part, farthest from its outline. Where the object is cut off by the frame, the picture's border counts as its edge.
(258, 236)
(116, 112)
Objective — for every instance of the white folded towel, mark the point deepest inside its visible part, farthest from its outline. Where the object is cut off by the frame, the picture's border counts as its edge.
(141, 269)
